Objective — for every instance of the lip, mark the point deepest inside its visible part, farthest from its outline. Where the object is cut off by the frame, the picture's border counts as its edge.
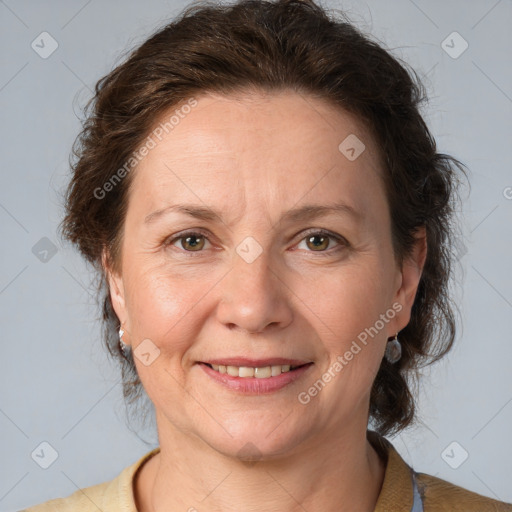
(255, 363)
(254, 385)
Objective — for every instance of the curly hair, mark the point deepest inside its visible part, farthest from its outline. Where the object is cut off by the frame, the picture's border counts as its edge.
(278, 45)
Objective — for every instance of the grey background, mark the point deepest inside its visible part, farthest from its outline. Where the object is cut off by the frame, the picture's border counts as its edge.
(57, 384)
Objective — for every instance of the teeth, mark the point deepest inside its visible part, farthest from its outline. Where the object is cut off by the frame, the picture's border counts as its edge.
(247, 371)
(276, 370)
(261, 373)
(232, 370)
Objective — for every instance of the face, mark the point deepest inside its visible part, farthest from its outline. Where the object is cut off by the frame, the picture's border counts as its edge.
(216, 266)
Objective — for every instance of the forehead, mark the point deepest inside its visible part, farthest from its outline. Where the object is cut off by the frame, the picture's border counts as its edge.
(284, 122)
(269, 150)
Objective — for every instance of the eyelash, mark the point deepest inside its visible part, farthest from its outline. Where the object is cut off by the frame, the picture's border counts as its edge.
(321, 232)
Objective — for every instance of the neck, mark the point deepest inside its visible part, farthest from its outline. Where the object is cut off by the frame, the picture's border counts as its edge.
(187, 474)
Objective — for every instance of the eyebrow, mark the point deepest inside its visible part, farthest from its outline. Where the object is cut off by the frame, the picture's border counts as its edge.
(306, 212)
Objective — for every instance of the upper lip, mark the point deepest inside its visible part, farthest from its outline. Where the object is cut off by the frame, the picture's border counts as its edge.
(256, 363)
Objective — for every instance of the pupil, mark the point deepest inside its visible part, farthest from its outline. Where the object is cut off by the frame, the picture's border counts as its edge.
(193, 244)
(323, 238)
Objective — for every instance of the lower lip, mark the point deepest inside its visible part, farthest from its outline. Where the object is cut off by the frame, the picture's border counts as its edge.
(253, 385)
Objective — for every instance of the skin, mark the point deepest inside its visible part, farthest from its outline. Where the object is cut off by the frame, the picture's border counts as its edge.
(254, 157)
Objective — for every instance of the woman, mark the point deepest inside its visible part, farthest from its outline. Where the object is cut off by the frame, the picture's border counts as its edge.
(271, 222)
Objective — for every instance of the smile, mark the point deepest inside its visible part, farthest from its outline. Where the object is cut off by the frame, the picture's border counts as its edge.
(255, 380)
(248, 371)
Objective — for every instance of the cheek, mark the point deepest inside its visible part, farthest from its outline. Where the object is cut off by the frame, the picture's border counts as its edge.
(161, 306)
(162, 309)
(351, 311)
(347, 300)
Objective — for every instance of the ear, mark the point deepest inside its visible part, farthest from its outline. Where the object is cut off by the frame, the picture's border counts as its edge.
(409, 278)
(116, 289)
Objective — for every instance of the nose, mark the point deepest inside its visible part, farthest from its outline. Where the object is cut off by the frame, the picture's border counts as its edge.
(255, 296)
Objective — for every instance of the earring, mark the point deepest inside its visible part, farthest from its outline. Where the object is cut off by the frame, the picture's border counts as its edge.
(393, 351)
(125, 349)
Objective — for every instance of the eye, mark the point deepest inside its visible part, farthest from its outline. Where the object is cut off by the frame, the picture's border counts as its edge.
(316, 240)
(191, 241)
(319, 240)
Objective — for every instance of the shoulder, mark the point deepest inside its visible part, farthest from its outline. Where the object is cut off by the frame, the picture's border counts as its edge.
(116, 494)
(404, 489)
(88, 499)
(440, 495)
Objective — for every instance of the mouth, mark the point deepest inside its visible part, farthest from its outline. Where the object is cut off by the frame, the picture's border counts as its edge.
(258, 372)
(256, 380)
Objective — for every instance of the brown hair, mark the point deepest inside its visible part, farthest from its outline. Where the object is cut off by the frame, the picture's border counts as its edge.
(272, 46)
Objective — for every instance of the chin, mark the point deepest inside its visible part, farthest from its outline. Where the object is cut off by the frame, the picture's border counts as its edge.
(253, 443)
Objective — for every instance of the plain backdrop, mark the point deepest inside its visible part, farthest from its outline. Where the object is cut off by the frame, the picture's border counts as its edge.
(57, 385)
